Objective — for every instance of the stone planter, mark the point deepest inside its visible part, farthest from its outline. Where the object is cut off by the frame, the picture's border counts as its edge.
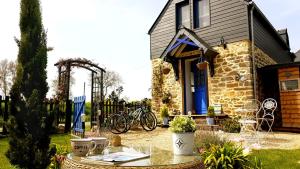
(210, 120)
(183, 143)
(165, 121)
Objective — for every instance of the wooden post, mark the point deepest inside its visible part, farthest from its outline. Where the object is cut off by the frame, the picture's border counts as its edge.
(68, 116)
(92, 100)
(101, 86)
(1, 114)
(5, 116)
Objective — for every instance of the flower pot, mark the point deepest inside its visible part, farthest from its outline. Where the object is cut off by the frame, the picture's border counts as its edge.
(183, 143)
(202, 65)
(210, 121)
(165, 121)
(165, 68)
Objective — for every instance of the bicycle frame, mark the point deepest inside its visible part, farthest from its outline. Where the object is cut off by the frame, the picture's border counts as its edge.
(136, 114)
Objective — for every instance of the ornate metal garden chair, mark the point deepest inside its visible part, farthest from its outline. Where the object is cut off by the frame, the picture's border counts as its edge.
(268, 106)
(249, 115)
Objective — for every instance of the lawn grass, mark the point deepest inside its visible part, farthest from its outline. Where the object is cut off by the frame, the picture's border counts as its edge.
(278, 159)
(61, 139)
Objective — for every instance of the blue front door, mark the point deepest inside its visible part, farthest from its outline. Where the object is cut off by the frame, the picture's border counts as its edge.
(200, 85)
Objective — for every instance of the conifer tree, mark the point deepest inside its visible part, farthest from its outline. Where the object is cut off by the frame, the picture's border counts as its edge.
(29, 126)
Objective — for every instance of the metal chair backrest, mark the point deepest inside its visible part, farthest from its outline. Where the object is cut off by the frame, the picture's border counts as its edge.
(269, 106)
(252, 106)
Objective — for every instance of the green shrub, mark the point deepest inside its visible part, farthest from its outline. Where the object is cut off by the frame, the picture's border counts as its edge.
(166, 98)
(231, 125)
(226, 156)
(211, 111)
(59, 157)
(164, 112)
(204, 139)
(182, 124)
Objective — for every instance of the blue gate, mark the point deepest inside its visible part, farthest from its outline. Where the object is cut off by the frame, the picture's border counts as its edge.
(79, 109)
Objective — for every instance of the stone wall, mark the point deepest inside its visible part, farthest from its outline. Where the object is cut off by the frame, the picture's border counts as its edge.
(162, 84)
(231, 86)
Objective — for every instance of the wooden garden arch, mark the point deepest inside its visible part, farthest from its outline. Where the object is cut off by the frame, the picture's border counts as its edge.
(64, 73)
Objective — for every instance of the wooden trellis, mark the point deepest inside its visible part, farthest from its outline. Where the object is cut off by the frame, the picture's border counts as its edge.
(64, 74)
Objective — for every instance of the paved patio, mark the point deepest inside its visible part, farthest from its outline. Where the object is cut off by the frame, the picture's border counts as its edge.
(162, 138)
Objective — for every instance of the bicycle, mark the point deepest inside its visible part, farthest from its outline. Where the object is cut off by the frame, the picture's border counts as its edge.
(116, 123)
(142, 116)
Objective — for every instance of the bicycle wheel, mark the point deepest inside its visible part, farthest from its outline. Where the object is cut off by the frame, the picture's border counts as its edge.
(148, 121)
(117, 124)
(128, 123)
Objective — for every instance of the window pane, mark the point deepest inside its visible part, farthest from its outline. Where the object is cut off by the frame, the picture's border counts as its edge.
(183, 15)
(289, 85)
(201, 13)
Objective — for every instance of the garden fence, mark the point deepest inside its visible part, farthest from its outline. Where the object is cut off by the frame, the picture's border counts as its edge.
(4, 103)
(106, 108)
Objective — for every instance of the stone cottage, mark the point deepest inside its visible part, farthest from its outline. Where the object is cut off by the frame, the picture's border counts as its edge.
(229, 39)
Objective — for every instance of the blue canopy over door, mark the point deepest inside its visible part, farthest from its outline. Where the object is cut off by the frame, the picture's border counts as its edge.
(200, 85)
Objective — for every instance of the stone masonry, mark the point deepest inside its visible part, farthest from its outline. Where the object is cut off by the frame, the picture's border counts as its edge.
(226, 87)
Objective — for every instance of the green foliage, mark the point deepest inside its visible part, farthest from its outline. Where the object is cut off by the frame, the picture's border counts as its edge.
(231, 125)
(277, 159)
(29, 125)
(59, 157)
(204, 140)
(164, 112)
(211, 111)
(166, 98)
(88, 109)
(182, 124)
(226, 156)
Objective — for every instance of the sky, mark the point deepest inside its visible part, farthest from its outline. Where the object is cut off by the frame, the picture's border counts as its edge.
(113, 33)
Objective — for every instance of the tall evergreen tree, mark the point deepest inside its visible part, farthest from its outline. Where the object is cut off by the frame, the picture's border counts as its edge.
(28, 126)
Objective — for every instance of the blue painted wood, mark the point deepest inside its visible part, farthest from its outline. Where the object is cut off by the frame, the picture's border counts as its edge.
(200, 84)
(79, 109)
(180, 41)
(177, 44)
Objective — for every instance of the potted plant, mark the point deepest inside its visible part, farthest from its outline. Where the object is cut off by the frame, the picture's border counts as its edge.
(210, 115)
(183, 129)
(164, 114)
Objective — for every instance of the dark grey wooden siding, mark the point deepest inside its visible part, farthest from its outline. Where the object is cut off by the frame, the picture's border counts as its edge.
(229, 18)
(268, 42)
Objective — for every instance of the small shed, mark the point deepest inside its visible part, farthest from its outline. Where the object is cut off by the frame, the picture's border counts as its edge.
(282, 82)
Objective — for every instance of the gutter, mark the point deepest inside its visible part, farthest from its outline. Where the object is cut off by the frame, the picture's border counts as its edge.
(252, 5)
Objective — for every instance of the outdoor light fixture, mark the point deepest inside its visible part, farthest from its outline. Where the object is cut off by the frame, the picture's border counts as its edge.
(223, 43)
(239, 77)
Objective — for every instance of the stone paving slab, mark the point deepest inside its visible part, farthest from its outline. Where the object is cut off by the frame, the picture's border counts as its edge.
(162, 138)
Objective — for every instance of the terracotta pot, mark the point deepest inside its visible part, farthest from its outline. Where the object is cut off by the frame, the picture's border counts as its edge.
(202, 65)
(165, 68)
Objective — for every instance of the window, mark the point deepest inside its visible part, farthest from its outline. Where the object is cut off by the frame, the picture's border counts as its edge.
(183, 15)
(289, 85)
(201, 13)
